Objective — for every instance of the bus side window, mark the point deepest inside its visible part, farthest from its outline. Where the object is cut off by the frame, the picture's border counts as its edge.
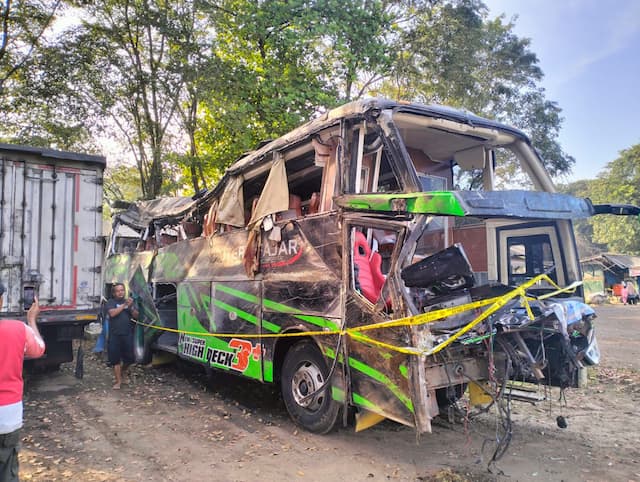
(368, 277)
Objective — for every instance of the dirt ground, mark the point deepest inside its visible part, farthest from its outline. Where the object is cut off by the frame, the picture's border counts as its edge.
(173, 424)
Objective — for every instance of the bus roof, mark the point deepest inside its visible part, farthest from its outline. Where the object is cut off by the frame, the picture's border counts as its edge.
(360, 108)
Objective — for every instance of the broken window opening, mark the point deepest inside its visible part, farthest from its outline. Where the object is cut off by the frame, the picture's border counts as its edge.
(310, 180)
(371, 258)
(166, 301)
(370, 167)
(304, 179)
(468, 157)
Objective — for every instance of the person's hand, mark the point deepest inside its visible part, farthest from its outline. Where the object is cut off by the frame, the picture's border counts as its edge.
(129, 302)
(34, 311)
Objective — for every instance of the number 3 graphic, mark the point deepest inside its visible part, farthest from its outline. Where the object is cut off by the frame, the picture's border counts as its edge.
(242, 355)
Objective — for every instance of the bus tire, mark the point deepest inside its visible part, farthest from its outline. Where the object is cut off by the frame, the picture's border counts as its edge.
(303, 371)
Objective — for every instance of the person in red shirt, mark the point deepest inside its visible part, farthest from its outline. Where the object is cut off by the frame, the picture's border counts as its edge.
(17, 342)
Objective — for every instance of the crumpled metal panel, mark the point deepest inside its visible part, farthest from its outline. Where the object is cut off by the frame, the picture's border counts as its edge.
(148, 314)
(120, 267)
(380, 380)
(142, 213)
(524, 204)
(172, 263)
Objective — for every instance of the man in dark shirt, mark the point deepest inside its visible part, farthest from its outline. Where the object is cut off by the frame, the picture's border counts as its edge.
(120, 311)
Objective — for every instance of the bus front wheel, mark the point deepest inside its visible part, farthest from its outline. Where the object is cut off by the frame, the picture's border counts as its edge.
(305, 394)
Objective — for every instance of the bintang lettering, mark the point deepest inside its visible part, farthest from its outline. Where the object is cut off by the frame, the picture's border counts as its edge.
(230, 256)
(286, 248)
(192, 347)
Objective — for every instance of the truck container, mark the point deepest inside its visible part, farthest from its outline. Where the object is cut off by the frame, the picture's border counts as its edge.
(51, 241)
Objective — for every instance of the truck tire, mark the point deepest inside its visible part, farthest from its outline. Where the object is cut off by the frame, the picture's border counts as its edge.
(450, 395)
(304, 370)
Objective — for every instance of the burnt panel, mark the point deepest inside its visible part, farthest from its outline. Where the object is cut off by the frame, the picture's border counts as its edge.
(443, 272)
(311, 296)
(221, 256)
(287, 254)
(324, 236)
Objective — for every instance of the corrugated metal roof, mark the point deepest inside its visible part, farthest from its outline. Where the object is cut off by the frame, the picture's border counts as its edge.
(623, 261)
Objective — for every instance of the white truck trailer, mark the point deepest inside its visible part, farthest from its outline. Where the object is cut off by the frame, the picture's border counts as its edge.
(51, 241)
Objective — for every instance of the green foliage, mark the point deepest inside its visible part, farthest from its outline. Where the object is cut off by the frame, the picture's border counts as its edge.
(34, 100)
(129, 56)
(618, 183)
(355, 42)
(453, 54)
(23, 24)
(190, 85)
(121, 183)
(270, 78)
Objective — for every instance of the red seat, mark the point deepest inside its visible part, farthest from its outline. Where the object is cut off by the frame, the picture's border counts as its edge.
(369, 277)
(294, 211)
(314, 203)
(376, 271)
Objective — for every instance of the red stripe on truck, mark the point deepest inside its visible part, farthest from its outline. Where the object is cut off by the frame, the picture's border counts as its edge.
(77, 192)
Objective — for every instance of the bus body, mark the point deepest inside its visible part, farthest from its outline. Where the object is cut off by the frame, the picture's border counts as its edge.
(344, 262)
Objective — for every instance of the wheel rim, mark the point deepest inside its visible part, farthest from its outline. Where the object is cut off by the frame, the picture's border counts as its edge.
(306, 380)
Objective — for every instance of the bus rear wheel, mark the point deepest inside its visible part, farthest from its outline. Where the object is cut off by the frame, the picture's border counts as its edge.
(304, 372)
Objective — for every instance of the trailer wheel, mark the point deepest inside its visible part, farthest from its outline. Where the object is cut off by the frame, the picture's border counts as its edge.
(303, 372)
(449, 395)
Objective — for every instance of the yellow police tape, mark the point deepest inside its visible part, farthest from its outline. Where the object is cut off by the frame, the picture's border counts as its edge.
(421, 319)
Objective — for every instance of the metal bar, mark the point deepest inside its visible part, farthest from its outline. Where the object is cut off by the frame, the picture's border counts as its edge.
(535, 368)
(23, 235)
(52, 268)
(3, 173)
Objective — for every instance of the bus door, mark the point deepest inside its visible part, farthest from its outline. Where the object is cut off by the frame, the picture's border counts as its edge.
(379, 376)
(527, 250)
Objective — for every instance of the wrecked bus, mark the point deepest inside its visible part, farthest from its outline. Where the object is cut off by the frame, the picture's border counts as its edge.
(369, 261)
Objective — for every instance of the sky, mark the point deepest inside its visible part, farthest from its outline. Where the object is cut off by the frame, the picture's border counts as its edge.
(589, 51)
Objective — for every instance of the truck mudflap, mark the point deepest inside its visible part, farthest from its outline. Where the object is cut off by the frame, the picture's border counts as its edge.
(59, 328)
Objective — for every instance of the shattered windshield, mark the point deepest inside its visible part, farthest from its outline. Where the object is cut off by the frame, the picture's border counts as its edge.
(448, 155)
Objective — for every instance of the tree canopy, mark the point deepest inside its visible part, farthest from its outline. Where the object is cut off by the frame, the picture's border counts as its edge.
(618, 183)
(190, 85)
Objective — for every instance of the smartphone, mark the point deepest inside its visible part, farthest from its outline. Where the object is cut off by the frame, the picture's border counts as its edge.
(28, 296)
